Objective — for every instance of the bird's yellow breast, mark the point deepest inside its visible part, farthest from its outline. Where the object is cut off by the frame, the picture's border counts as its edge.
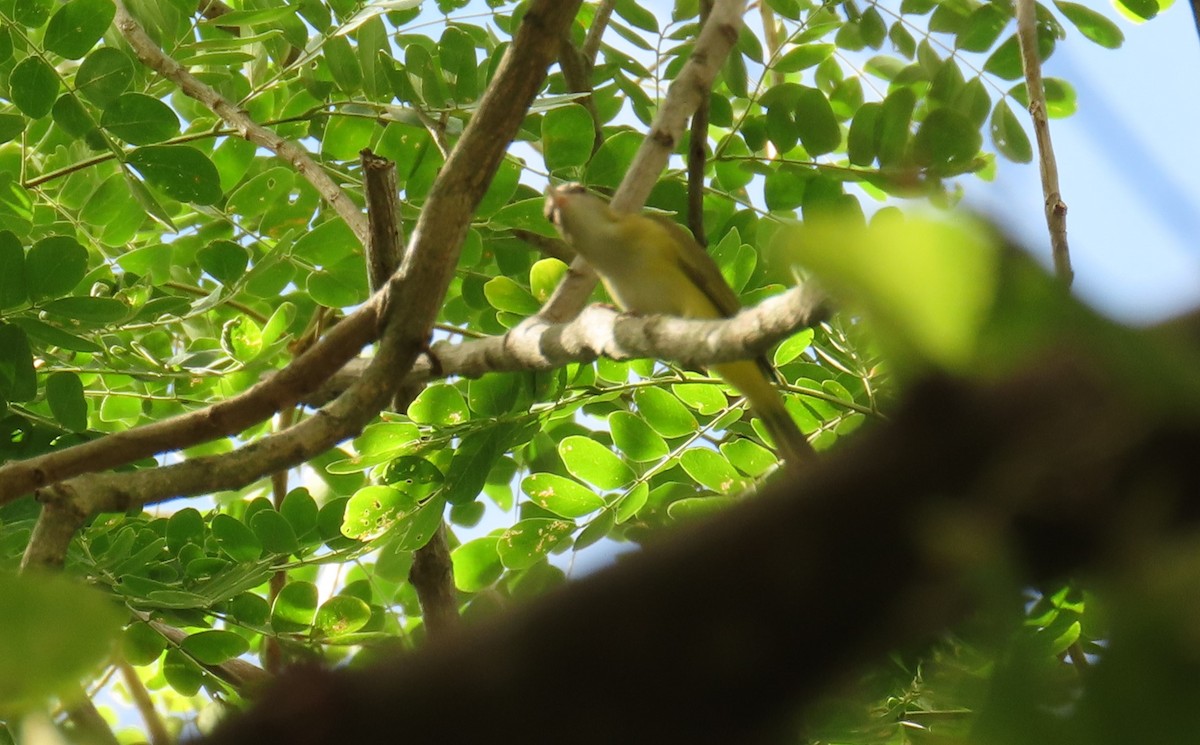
(647, 275)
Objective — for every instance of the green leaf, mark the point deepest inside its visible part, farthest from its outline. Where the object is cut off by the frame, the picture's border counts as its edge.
(635, 438)
(504, 294)
(588, 460)
(54, 336)
(1009, 135)
(974, 102)
(804, 57)
(31, 13)
(981, 29)
(374, 509)
(946, 140)
(226, 261)
(139, 119)
(1093, 25)
(1139, 9)
(235, 539)
(253, 17)
(215, 646)
(341, 614)
(12, 271)
(526, 542)
(413, 531)
(476, 564)
(33, 86)
(294, 608)
(339, 286)
(440, 404)
(927, 286)
(265, 190)
(891, 132)
(182, 172)
(394, 562)
(76, 27)
(817, 126)
(53, 632)
(183, 527)
(560, 495)
(275, 532)
(903, 40)
(11, 125)
(664, 413)
(456, 53)
(300, 510)
(103, 75)
(473, 461)
(141, 645)
(54, 266)
(860, 142)
(97, 311)
(712, 470)
(567, 137)
(343, 64)
(612, 160)
(698, 507)
(64, 392)
(748, 456)
(706, 399)
(18, 381)
(108, 202)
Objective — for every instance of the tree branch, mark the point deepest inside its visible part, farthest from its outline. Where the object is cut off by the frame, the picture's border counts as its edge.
(595, 34)
(154, 58)
(601, 331)
(684, 96)
(406, 309)
(1055, 207)
(967, 481)
(698, 154)
(431, 573)
(156, 731)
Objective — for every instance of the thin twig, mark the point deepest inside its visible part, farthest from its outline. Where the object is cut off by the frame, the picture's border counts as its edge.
(552, 247)
(156, 731)
(90, 724)
(577, 73)
(698, 154)
(154, 58)
(595, 34)
(1056, 208)
(772, 37)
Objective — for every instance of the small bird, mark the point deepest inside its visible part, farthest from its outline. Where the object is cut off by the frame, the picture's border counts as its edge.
(651, 265)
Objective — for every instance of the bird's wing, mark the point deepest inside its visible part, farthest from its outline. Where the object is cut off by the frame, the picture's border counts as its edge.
(699, 266)
(695, 262)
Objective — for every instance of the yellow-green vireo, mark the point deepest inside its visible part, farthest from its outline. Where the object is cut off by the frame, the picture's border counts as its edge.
(651, 265)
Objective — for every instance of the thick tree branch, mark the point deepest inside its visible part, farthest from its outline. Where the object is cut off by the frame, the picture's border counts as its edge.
(47, 547)
(229, 417)
(407, 308)
(1050, 471)
(1055, 207)
(687, 92)
(601, 331)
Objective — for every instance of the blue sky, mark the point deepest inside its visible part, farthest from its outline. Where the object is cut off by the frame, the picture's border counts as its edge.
(1129, 170)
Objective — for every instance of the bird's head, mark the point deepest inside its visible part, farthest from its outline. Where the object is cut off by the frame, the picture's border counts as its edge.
(579, 215)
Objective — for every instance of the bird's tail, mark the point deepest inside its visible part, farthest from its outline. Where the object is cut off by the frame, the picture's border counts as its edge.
(750, 378)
